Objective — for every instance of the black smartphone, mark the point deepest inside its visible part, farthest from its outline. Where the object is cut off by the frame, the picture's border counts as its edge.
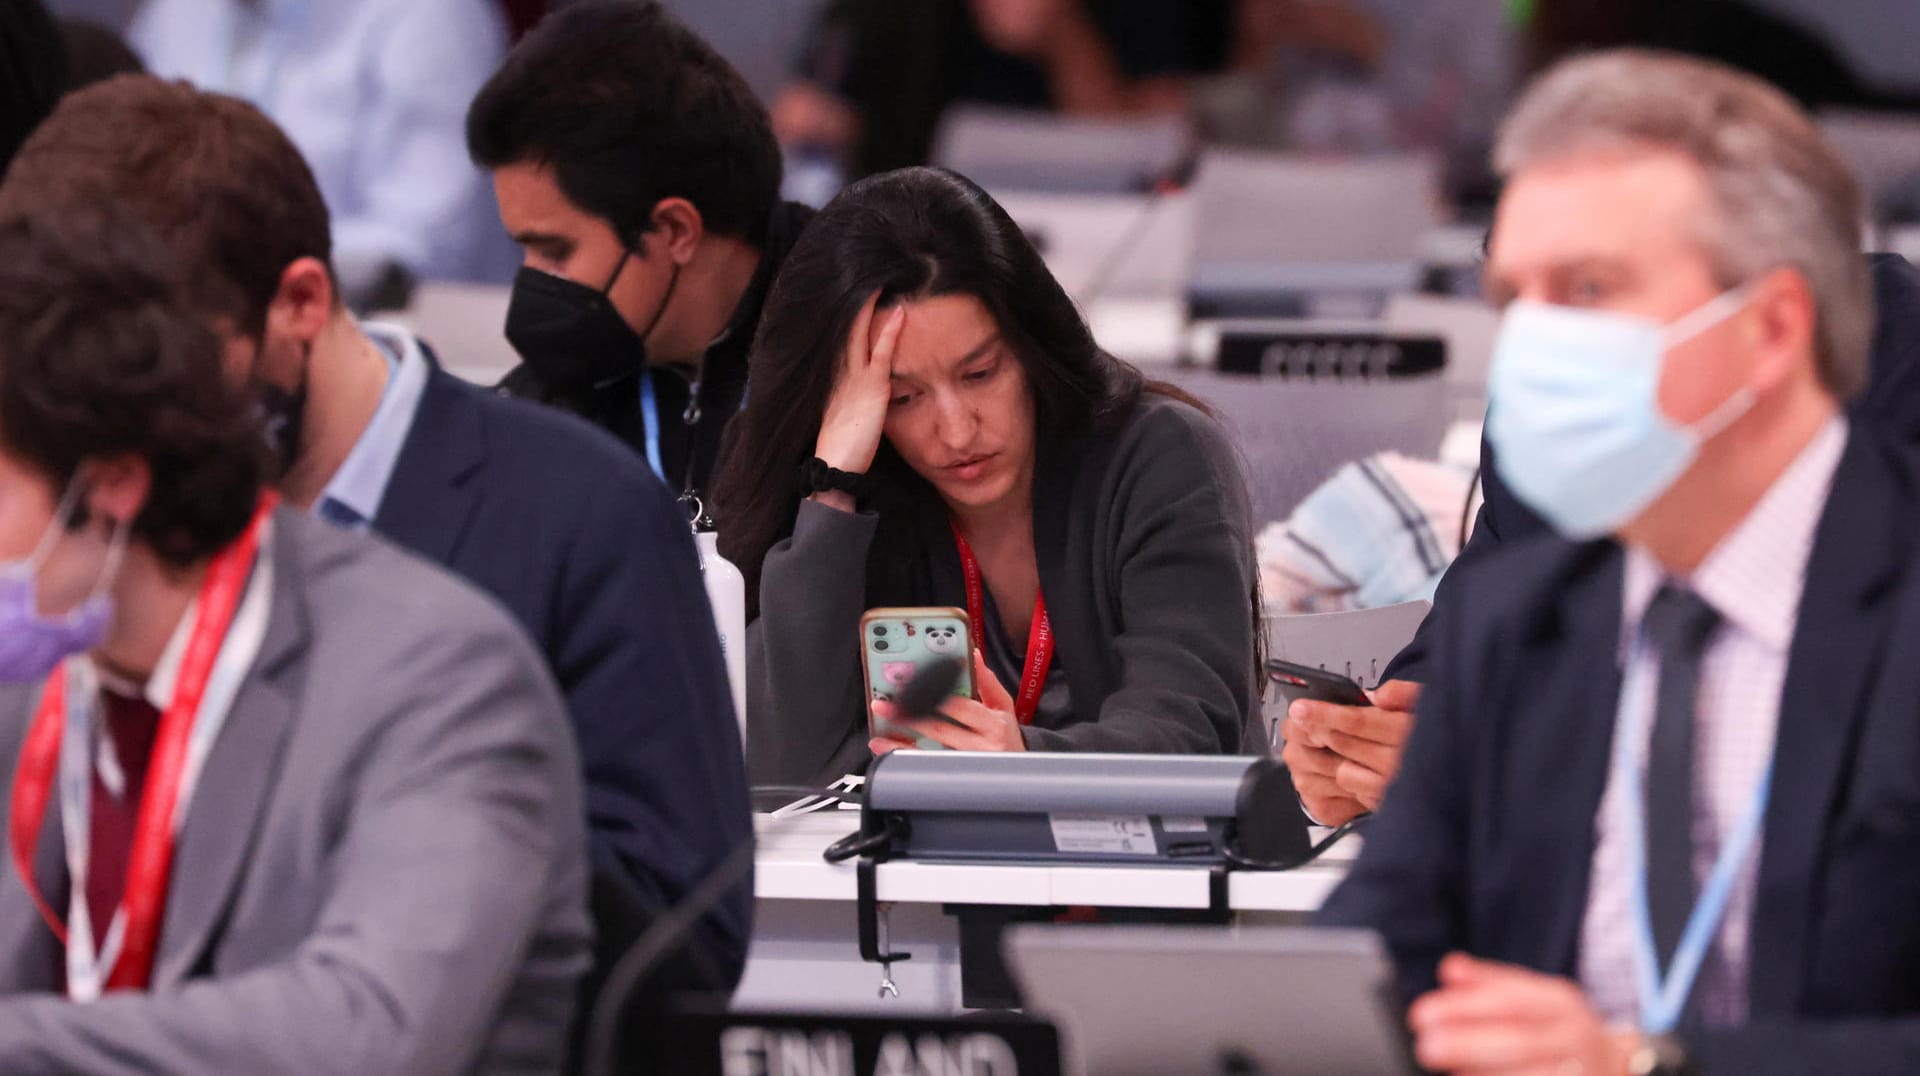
(1306, 682)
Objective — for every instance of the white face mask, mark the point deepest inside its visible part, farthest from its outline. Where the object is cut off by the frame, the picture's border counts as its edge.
(1575, 420)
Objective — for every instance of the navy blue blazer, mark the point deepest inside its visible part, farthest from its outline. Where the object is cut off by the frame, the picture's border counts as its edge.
(567, 528)
(1891, 401)
(1486, 837)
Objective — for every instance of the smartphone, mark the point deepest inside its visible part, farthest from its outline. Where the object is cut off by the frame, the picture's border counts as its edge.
(896, 643)
(1306, 682)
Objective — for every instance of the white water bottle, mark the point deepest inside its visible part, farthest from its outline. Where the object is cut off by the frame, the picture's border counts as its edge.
(727, 593)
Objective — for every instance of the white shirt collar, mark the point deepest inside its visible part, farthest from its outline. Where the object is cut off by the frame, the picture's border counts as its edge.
(1755, 576)
(249, 622)
(361, 483)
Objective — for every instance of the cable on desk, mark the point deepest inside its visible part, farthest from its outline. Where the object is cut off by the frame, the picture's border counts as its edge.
(863, 843)
(1232, 852)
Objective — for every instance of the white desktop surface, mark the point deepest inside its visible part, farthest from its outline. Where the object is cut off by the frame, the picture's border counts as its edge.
(805, 954)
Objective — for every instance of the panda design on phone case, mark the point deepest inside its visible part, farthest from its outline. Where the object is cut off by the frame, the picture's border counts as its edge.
(897, 648)
(945, 639)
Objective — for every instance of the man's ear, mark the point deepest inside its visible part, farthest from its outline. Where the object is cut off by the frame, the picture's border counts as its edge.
(304, 302)
(679, 227)
(117, 488)
(1782, 328)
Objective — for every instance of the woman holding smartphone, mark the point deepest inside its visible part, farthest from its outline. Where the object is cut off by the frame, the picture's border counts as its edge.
(931, 424)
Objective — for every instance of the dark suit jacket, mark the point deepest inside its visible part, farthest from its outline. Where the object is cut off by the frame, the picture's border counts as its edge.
(1485, 840)
(590, 552)
(1891, 401)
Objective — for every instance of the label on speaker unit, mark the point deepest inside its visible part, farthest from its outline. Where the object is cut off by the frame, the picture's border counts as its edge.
(1107, 834)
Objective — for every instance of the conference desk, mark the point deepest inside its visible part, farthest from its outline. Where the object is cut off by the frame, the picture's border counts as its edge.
(805, 954)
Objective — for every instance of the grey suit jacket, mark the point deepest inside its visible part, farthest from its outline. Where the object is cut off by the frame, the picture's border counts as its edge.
(382, 870)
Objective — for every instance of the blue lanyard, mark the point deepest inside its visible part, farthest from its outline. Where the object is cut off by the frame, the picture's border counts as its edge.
(1663, 998)
(650, 415)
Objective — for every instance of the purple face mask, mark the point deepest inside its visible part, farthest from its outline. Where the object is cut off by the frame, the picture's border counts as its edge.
(33, 644)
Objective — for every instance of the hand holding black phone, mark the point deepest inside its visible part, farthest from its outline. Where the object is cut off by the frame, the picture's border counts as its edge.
(1306, 682)
(1320, 685)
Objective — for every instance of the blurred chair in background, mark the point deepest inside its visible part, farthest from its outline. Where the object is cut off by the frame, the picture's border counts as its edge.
(374, 92)
(1290, 235)
(1019, 150)
(1379, 532)
(1883, 148)
(1292, 435)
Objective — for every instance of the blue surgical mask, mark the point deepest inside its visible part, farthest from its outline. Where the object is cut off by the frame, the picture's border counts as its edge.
(1575, 422)
(32, 644)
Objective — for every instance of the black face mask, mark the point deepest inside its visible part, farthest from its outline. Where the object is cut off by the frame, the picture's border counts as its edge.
(571, 335)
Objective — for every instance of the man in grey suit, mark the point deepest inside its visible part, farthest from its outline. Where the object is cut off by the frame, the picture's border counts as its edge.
(376, 862)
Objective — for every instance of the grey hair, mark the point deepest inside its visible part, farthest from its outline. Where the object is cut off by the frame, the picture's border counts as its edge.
(1781, 194)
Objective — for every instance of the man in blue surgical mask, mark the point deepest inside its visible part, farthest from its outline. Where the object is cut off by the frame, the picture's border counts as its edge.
(1656, 816)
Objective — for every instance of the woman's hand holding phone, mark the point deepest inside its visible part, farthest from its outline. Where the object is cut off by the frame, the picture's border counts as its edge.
(986, 725)
(857, 410)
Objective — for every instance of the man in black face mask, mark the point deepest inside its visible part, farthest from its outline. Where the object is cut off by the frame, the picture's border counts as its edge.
(641, 177)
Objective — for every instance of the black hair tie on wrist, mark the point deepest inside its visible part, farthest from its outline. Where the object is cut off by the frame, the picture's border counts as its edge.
(817, 476)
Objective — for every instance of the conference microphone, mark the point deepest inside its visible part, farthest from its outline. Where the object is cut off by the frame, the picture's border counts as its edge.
(634, 976)
(1157, 188)
(611, 1036)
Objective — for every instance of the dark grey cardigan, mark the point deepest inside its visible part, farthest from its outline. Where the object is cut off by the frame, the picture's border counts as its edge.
(1146, 561)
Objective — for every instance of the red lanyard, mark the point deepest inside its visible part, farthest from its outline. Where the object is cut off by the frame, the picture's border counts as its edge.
(1039, 636)
(151, 858)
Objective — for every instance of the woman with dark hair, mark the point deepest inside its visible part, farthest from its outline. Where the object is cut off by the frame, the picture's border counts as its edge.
(931, 423)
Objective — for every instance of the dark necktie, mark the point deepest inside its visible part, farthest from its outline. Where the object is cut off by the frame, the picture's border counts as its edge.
(133, 725)
(1678, 625)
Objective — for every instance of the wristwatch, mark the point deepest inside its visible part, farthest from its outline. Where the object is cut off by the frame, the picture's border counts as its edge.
(1660, 1055)
(817, 476)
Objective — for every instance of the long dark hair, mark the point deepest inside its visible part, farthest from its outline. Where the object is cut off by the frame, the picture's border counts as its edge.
(915, 233)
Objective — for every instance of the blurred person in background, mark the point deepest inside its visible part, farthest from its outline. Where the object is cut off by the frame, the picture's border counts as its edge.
(33, 71)
(1368, 76)
(43, 57)
(95, 53)
(877, 75)
(372, 91)
(1797, 58)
